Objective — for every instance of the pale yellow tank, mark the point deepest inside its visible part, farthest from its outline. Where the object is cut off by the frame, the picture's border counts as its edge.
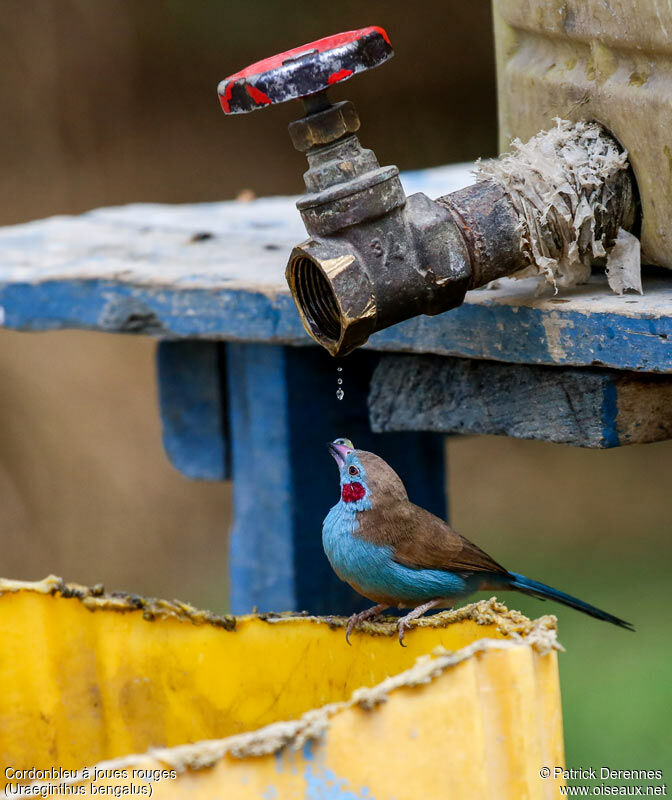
(595, 60)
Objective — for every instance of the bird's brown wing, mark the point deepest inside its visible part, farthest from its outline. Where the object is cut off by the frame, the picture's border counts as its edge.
(430, 543)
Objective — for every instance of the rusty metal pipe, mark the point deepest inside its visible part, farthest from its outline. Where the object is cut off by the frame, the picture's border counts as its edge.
(376, 257)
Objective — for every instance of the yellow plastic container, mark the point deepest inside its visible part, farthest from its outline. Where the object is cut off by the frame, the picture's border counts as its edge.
(182, 703)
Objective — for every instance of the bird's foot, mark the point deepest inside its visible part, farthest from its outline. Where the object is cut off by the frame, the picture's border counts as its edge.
(403, 624)
(355, 619)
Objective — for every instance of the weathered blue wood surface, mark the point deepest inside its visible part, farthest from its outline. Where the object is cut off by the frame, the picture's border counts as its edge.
(151, 269)
(193, 405)
(583, 407)
(283, 411)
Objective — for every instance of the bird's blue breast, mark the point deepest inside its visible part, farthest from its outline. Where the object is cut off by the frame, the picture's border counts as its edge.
(371, 569)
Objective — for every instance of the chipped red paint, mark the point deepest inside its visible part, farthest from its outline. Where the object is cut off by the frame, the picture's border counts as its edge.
(381, 31)
(225, 99)
(335, 77)
(352, 492)
(258, 96)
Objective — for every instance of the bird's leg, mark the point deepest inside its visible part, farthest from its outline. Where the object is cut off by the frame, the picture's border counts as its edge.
(355, 619)
(402, 625)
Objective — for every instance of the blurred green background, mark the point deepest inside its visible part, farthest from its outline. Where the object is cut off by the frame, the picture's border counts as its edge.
(114, 101)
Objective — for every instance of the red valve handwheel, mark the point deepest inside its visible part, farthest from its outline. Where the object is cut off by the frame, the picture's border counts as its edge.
(304, 70)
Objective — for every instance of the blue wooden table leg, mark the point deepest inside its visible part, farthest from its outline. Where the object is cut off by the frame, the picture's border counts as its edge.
(192, 401)
(283, 410)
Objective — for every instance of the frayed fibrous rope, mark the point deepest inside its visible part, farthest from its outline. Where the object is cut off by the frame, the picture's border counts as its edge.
(560, 183)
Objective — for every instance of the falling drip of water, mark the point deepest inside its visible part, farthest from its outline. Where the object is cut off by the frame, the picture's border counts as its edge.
(340, 394)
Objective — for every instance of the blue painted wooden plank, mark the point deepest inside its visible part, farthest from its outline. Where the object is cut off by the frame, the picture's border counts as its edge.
(192, 403)
(283, 410)
(123, 308)
(509, 324)
(144, 269)
(527, 332)
(585, 407)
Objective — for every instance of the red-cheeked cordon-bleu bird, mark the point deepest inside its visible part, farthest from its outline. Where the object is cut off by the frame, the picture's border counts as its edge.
(398, 554)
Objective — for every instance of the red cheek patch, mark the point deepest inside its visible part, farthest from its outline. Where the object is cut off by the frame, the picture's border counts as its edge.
(352, 492)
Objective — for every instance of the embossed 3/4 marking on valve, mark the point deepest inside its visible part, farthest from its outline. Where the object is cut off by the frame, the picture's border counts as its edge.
(392, 249)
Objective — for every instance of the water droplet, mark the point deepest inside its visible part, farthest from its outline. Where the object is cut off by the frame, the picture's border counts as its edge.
(340, 394)
(339, 381)
(339, 369)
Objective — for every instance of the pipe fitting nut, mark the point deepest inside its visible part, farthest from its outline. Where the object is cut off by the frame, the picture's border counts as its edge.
(324, 127)
(334, 295)
(365, 197)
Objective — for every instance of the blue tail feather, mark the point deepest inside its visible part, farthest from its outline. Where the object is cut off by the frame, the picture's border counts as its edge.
(542, 591)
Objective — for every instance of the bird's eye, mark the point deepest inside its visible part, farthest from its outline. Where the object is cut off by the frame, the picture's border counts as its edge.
(353, 470)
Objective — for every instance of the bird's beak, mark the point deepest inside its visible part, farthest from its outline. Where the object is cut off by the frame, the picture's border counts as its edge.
(339, 452)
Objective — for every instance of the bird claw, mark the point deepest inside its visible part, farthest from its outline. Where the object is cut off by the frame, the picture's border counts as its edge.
(355, 619)
(402, 629)
(403, 624)
(348, 630)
